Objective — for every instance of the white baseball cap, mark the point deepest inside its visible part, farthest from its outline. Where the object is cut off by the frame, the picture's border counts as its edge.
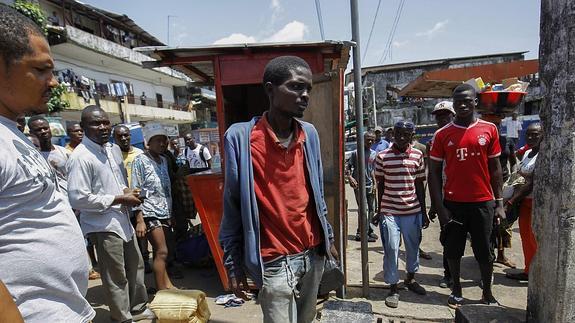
(443, 105)
(153, 129)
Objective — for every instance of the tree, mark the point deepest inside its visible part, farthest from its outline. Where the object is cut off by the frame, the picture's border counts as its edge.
(552, 273)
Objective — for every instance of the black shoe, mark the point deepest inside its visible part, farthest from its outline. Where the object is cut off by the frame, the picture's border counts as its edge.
(357, 237)
(147, 267)
(372, 237)
(415, 287)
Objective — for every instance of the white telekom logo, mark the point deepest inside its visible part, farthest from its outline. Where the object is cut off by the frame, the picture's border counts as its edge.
(461, 153)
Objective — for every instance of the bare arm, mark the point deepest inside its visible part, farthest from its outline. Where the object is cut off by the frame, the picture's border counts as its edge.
(435, 190)
(496, 180)
(522, 191)
(420, 192)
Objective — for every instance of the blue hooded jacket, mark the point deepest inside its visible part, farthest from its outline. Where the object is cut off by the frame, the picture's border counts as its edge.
(240, 227)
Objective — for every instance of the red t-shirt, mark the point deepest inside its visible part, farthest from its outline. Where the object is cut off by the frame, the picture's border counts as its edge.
(465, 153)
(287, 211)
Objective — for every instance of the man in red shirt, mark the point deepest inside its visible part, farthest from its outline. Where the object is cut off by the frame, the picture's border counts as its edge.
(471, 198)
(274, 227)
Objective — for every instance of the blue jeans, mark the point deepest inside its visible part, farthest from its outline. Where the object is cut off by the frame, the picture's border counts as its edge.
(290, 286)
(391, 227)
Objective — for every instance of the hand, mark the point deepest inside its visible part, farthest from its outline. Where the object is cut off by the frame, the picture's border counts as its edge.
(131, 197)
(425, 220)
(333, 252)
(140, 229)
(375, 219)
(444, 215)
(352, 182)
(240, 287)
(499, 214)
(432, 213)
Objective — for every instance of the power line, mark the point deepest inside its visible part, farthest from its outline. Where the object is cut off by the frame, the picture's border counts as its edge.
(319, 19)
(371, 31)
(387, 51)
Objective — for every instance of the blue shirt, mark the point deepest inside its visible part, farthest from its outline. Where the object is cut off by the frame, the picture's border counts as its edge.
(149, 175)
(380, 146)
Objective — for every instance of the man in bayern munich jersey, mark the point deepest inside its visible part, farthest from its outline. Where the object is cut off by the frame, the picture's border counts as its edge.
(472, 201)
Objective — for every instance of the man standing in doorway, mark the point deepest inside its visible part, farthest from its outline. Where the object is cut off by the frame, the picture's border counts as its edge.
(42, 257)
(198, 156)
(274, 228)
(76, 135)
(472, 194)
(97, 187)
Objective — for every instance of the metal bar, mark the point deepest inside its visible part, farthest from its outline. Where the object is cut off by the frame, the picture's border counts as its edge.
(360, 146)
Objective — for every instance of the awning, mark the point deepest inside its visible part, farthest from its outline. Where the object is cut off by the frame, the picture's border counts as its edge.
(440, 83)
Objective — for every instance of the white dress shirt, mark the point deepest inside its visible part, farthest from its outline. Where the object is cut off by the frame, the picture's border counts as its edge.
(96, 175)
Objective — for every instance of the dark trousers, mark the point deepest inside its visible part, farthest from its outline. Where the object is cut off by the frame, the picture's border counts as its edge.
(370, 197)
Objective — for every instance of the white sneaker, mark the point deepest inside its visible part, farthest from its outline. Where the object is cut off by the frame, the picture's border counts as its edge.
(146, 314)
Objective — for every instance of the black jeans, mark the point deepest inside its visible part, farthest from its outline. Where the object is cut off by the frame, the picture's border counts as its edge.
(370, 197)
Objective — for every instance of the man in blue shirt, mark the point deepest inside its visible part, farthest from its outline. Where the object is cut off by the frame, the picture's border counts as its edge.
(380, 144)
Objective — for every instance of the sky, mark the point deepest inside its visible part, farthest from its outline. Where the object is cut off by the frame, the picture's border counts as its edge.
(426, 29)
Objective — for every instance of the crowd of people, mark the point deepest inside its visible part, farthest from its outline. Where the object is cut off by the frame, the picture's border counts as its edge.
(89, 209)
(480, 183)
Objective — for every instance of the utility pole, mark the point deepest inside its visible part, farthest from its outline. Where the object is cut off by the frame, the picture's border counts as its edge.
(358, 86)
(169, 16)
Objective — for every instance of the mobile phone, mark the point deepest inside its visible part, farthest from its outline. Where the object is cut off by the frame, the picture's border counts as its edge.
(144, 194)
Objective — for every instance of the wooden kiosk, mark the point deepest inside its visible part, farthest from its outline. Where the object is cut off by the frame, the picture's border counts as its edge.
(236, 73)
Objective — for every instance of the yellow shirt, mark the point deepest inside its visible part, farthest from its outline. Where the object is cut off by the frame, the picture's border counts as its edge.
(69, 148)
(129, 159)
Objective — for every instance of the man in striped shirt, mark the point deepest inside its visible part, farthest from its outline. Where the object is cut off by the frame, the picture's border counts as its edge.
(400, 173)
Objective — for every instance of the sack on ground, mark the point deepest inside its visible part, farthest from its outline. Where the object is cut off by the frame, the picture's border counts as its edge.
(180, 306)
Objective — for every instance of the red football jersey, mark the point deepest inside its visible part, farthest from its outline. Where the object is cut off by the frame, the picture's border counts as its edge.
(465, 153)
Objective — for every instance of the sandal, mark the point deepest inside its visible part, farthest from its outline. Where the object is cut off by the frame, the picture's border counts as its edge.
(454, 302)
(93, 275)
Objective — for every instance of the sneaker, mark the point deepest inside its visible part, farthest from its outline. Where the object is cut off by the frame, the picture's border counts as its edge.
(454, 302)
(445, 282)
(373, 235)
(146, 314)
(357, 237)
(392, 300)
(415, 287)
(93, 275)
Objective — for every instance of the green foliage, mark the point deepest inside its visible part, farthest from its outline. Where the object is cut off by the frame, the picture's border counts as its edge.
(32, 11)
(56, 103)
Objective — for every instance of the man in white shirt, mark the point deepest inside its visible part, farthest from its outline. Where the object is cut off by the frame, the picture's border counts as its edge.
(57, 156)
(514, 127)
(97, 187)
(198, 156)
(42, 257)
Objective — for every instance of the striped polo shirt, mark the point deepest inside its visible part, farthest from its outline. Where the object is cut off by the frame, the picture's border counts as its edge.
(399, 171)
